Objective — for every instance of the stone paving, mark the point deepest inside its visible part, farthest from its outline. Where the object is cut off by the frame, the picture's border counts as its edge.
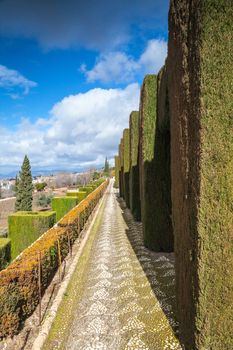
(129, 293)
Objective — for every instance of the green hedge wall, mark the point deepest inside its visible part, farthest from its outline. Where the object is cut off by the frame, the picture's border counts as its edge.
(25, 227)
(121, 172)
(148, 112)
(116, 184)
(87, 189)
(78, 194)
(200, 96)
(162, 239)
(126, 162)
(5, 252)
(62, 205)
(134, 186)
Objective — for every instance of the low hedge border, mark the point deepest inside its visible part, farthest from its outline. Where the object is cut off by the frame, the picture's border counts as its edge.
(19, 282)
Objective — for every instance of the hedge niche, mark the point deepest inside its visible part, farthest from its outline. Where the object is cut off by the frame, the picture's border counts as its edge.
(87, 189)
(26, 226)
(116, 184)
(5, 252)
(148, 108)
(126, 162)
(62, 205)
(134, 187)
(200, 95)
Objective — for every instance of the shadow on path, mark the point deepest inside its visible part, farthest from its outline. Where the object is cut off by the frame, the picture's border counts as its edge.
(158, 267)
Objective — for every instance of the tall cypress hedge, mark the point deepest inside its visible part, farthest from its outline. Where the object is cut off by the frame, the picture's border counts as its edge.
(116, 171)
(148, 110)
(126, 163)
(200, 94)
(121, 173)
(62, 205)
(162, 239)
(134, 187)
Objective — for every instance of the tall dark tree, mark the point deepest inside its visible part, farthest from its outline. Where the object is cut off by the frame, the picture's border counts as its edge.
(24, 187)
(106, 166)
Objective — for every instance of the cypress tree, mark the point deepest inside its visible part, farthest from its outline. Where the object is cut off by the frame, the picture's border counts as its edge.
(106, 166)
(24, 187)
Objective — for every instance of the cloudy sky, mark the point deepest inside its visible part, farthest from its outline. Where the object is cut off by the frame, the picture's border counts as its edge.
(70, 74)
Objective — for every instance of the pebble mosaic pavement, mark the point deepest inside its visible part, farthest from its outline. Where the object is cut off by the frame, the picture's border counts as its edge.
(128, 299)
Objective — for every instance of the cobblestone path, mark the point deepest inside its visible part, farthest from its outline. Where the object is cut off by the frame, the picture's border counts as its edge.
(128, 297)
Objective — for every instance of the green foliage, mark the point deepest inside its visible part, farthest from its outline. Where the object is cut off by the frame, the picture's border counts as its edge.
(62, 205)
(117, 169)
(78, 194)
(134, 185)
(44, 200)
(87, 189)
(5, 252)
(24, 188)
(25, 227)
(96, 175)
(200, 91)
(106, 167)
(126, 162)
(40, 186)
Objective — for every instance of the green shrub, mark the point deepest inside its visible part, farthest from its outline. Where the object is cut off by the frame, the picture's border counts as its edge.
(25, 227)
(78, 194)
(5, 252)
(200, 97)
(134, 186)
(62, 205)
(44, 200)
(40, 186)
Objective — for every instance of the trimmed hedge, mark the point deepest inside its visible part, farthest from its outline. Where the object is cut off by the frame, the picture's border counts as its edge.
(116, 184)
(19, 293)
(126, 162)
(87, 189)
(5, 252)
(148, 112)
(121, 172)
(25, 227)
(200, 96)
(62, 205)
(78, 194)
(134, 186)
(162, 237)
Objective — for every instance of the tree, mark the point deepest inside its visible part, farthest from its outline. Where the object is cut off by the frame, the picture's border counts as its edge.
(24, 187)
(106, 166)
(40, 186)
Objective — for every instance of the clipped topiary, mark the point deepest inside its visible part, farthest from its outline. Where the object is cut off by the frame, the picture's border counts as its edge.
(134, 186)
(200, 96)
(62, 205)
(25, 227)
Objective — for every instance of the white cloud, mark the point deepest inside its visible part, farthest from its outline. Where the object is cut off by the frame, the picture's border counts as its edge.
(82, 129)
(117, 66)
(11, 79)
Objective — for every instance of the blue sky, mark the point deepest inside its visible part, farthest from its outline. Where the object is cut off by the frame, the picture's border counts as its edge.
(70, 73)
